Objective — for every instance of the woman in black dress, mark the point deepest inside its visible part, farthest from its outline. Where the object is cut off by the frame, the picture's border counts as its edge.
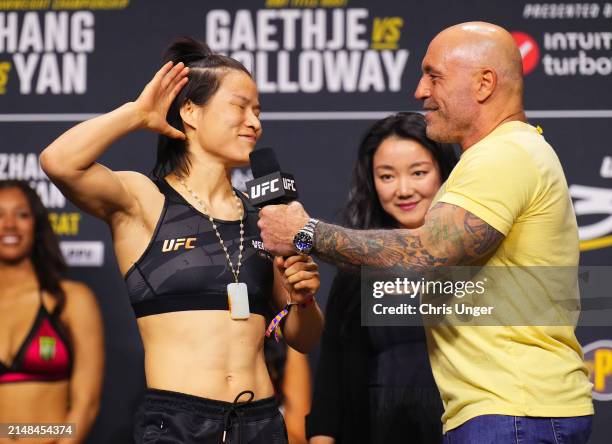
(359, 395)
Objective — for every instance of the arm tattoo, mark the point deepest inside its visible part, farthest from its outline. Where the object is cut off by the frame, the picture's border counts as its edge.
(450, 236)
(486, 238)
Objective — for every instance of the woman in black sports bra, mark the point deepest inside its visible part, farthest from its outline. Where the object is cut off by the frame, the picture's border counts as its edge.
(186, 241)
(51, 338)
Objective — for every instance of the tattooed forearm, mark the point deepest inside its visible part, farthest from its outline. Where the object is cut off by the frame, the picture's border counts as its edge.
(450, 236)
(376, 248)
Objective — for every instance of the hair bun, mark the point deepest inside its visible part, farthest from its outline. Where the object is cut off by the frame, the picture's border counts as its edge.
(187, 50)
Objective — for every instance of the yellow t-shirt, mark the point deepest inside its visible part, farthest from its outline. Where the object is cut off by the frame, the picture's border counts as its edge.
(513, 180)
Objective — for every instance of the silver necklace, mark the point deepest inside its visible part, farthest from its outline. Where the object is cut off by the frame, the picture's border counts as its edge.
(235, 272)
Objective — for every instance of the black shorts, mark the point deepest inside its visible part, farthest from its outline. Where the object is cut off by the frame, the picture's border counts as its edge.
(166, 417)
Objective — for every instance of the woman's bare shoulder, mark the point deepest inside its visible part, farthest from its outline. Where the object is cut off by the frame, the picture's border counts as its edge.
(78, 295)
(138, 184)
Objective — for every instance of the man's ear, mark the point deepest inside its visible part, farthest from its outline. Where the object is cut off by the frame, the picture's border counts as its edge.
(486, 83)
(189, 114)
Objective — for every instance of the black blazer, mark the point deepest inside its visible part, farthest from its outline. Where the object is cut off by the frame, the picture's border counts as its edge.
(341, 400)
(340, 407)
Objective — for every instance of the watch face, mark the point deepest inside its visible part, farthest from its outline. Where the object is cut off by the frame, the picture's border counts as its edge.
(302, 242)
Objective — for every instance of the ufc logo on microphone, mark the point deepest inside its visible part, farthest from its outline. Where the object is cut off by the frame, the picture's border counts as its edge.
(262, 189)
(289, 184)
(175, 244)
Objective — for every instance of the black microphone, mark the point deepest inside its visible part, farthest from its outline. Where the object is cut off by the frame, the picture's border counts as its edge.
(270, 185)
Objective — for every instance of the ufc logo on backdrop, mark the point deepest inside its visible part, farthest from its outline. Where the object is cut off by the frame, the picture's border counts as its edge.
(175, 244)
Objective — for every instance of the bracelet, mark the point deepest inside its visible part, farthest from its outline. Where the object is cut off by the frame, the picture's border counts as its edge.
(310, 301)
(275, 323)
(307, 303)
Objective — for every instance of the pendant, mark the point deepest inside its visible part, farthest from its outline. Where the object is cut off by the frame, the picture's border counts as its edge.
(238, 300)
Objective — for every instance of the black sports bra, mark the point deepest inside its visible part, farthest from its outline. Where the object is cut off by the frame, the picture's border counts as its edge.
(185, 268)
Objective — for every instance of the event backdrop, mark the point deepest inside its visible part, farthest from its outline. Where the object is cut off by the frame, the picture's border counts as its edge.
(326, 69)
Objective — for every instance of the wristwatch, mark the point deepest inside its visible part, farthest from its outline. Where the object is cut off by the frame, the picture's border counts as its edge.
(303, 241)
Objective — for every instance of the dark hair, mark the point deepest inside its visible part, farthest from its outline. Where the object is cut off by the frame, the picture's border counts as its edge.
(363, 209)
(207, 71)
(46, 256)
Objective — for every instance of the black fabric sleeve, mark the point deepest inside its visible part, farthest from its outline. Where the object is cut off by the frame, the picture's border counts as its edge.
(324, 416)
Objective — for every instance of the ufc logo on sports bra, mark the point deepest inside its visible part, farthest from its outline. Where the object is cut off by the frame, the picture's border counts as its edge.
(175, 244)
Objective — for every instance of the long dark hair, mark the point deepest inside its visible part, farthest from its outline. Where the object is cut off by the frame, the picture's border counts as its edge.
(207, 71)
(46, 256)
(363, 209)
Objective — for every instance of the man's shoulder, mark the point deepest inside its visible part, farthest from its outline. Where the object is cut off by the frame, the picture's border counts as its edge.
(500, 152)
(515, 138)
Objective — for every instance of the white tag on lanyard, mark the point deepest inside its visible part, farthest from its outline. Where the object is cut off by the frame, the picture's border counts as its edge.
(238, 300)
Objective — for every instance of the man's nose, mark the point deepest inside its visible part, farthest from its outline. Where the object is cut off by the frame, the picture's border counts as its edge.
(422, 90)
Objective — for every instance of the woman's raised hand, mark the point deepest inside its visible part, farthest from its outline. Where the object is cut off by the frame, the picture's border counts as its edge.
(156, 98)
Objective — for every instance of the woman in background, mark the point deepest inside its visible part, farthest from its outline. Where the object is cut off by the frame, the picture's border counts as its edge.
(375, 384)
(51, 338)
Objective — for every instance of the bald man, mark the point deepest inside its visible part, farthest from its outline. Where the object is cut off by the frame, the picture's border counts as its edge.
(506, 204)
